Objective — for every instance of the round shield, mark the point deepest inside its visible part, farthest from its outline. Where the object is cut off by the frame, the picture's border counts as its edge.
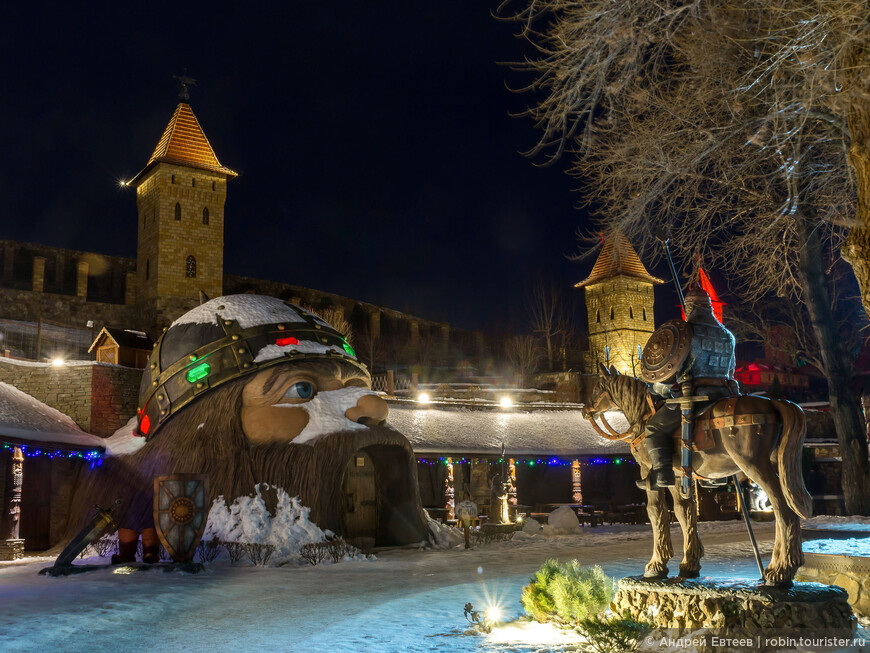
(180, 512)
(665, 351)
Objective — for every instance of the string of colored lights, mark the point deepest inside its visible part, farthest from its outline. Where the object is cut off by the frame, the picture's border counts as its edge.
(35, 452)
(550, 462)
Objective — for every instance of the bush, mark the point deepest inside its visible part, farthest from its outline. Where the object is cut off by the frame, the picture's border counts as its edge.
(567, 594)
(208, 550)
(235, 550)
(335, 550)
(615, 634)
(259, 554)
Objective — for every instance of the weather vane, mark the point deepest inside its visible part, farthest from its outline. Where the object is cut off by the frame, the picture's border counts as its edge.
(185, 81)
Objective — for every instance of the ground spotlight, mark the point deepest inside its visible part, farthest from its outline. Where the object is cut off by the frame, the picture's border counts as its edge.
(506, 402)
(423, 398)
(58, 362)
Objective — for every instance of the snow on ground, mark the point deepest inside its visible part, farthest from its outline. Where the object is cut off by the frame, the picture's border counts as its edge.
(406, 600)
(853, 546)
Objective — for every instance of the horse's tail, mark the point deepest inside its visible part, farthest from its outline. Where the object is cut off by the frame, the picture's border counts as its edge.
(788, 456)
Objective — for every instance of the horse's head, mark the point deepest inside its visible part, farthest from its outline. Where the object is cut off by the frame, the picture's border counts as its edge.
(602, 397)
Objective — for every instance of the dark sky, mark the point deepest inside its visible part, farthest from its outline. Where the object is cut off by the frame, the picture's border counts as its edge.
(377, 155)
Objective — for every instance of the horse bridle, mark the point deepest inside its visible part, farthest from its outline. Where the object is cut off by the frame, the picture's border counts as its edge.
(612, 433)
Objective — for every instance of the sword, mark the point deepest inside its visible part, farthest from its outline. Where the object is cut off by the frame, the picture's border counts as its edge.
(99, 525)
(686, 404)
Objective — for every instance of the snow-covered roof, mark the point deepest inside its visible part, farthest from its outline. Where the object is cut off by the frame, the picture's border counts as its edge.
(561, 433)
(29, 421)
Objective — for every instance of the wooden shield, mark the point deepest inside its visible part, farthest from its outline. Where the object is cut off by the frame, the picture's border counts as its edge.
(665, 351)
(180, 512)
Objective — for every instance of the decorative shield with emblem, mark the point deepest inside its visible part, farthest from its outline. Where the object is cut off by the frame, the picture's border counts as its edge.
(665, 351)
(180, 512)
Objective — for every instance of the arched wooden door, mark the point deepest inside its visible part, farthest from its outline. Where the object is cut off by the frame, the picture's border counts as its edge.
(359, 492)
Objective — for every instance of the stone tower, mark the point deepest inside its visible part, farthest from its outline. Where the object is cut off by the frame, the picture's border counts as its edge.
(619, 304)
(180, 196)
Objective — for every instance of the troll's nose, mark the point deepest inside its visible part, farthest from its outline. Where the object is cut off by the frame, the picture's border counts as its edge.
(370, 410)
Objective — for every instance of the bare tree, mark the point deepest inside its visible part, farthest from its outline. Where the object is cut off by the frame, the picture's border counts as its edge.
(742, 129)
(335, 316)
(524, 354)
(548, 318)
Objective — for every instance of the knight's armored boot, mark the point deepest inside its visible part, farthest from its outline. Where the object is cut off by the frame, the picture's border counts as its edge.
(126, 550)
(662, 474)
(150, 546)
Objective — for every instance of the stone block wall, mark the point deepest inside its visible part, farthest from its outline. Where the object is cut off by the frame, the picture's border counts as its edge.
(98, 397)
(169, 235)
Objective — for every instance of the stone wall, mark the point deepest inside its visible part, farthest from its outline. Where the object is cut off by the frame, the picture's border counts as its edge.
(852, 573)
(620, 318)
(98, 397)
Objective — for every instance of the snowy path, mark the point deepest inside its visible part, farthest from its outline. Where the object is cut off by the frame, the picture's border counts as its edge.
(404, 601)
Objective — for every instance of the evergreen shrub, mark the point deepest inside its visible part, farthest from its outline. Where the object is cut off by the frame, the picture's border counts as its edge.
(567, 594)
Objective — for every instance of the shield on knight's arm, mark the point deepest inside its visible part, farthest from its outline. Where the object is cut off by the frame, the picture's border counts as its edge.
(180, 512)
(665, 351)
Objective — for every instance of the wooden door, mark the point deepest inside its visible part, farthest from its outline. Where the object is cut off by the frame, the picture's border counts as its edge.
(360, 501)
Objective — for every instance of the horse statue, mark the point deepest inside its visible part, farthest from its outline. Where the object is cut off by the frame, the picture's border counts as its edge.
(761, 437)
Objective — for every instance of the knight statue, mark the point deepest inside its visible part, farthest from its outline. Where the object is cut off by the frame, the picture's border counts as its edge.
(698, 355)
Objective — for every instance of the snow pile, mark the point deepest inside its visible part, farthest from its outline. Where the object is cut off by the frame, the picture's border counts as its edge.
(124, 441)
(247, 520)
(271, 352)
(326, 413)
(532, 527)
(443, 535)
(247, 310)
(562, 521)
(853, 546)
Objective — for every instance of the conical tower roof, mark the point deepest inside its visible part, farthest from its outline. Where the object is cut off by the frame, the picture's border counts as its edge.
(617, 258)
(184, 143)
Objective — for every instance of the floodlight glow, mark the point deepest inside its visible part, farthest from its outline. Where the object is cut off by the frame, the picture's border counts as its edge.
(58, 362)
(423, 398)
(506, 402)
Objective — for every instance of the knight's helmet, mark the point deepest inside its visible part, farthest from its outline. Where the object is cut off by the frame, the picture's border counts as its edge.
(698, 301)
(227, 338)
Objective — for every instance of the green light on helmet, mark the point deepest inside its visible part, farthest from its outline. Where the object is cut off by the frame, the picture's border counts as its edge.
(349, 350)
(199, 372)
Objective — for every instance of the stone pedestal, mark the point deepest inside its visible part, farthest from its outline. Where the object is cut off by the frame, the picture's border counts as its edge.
(852, 573)
(704, 608)
(11, 549)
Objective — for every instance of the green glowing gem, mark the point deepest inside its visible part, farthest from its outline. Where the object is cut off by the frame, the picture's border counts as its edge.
(349, 350)
(199, 372)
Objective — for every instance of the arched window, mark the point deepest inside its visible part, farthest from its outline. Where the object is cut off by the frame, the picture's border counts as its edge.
(147, 269)
(177, 211)
(598, 316)
(611, 312)
(205, 215)
(644, 315)
(173, 179)
(193, 182)
(190, 267)
(213, 186)
(630, 313)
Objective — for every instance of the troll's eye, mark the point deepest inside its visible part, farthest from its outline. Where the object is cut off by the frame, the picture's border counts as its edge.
(300, 390)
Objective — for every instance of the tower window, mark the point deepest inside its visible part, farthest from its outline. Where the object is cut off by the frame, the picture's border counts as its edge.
(630, 313)
(190, 267)
(193, 182)
(644, 315)
(205, 215)
(173, 179)
(213, 187)
(147, 269)
(611, 312)
(598, 316)
(177, 211)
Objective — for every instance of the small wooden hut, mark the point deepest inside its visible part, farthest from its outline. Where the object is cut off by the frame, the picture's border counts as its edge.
(122, 347)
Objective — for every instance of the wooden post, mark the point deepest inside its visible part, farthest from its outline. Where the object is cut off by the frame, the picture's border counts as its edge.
(38, 338)
(11, 546)
(449, 491)
(391, 383)
(576, 482)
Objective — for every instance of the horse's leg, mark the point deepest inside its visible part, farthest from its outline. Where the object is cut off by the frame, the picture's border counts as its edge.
(663, 549)
(787, 554)
(693, 550)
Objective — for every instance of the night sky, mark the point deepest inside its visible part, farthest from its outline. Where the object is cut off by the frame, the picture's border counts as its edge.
(376, 153)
